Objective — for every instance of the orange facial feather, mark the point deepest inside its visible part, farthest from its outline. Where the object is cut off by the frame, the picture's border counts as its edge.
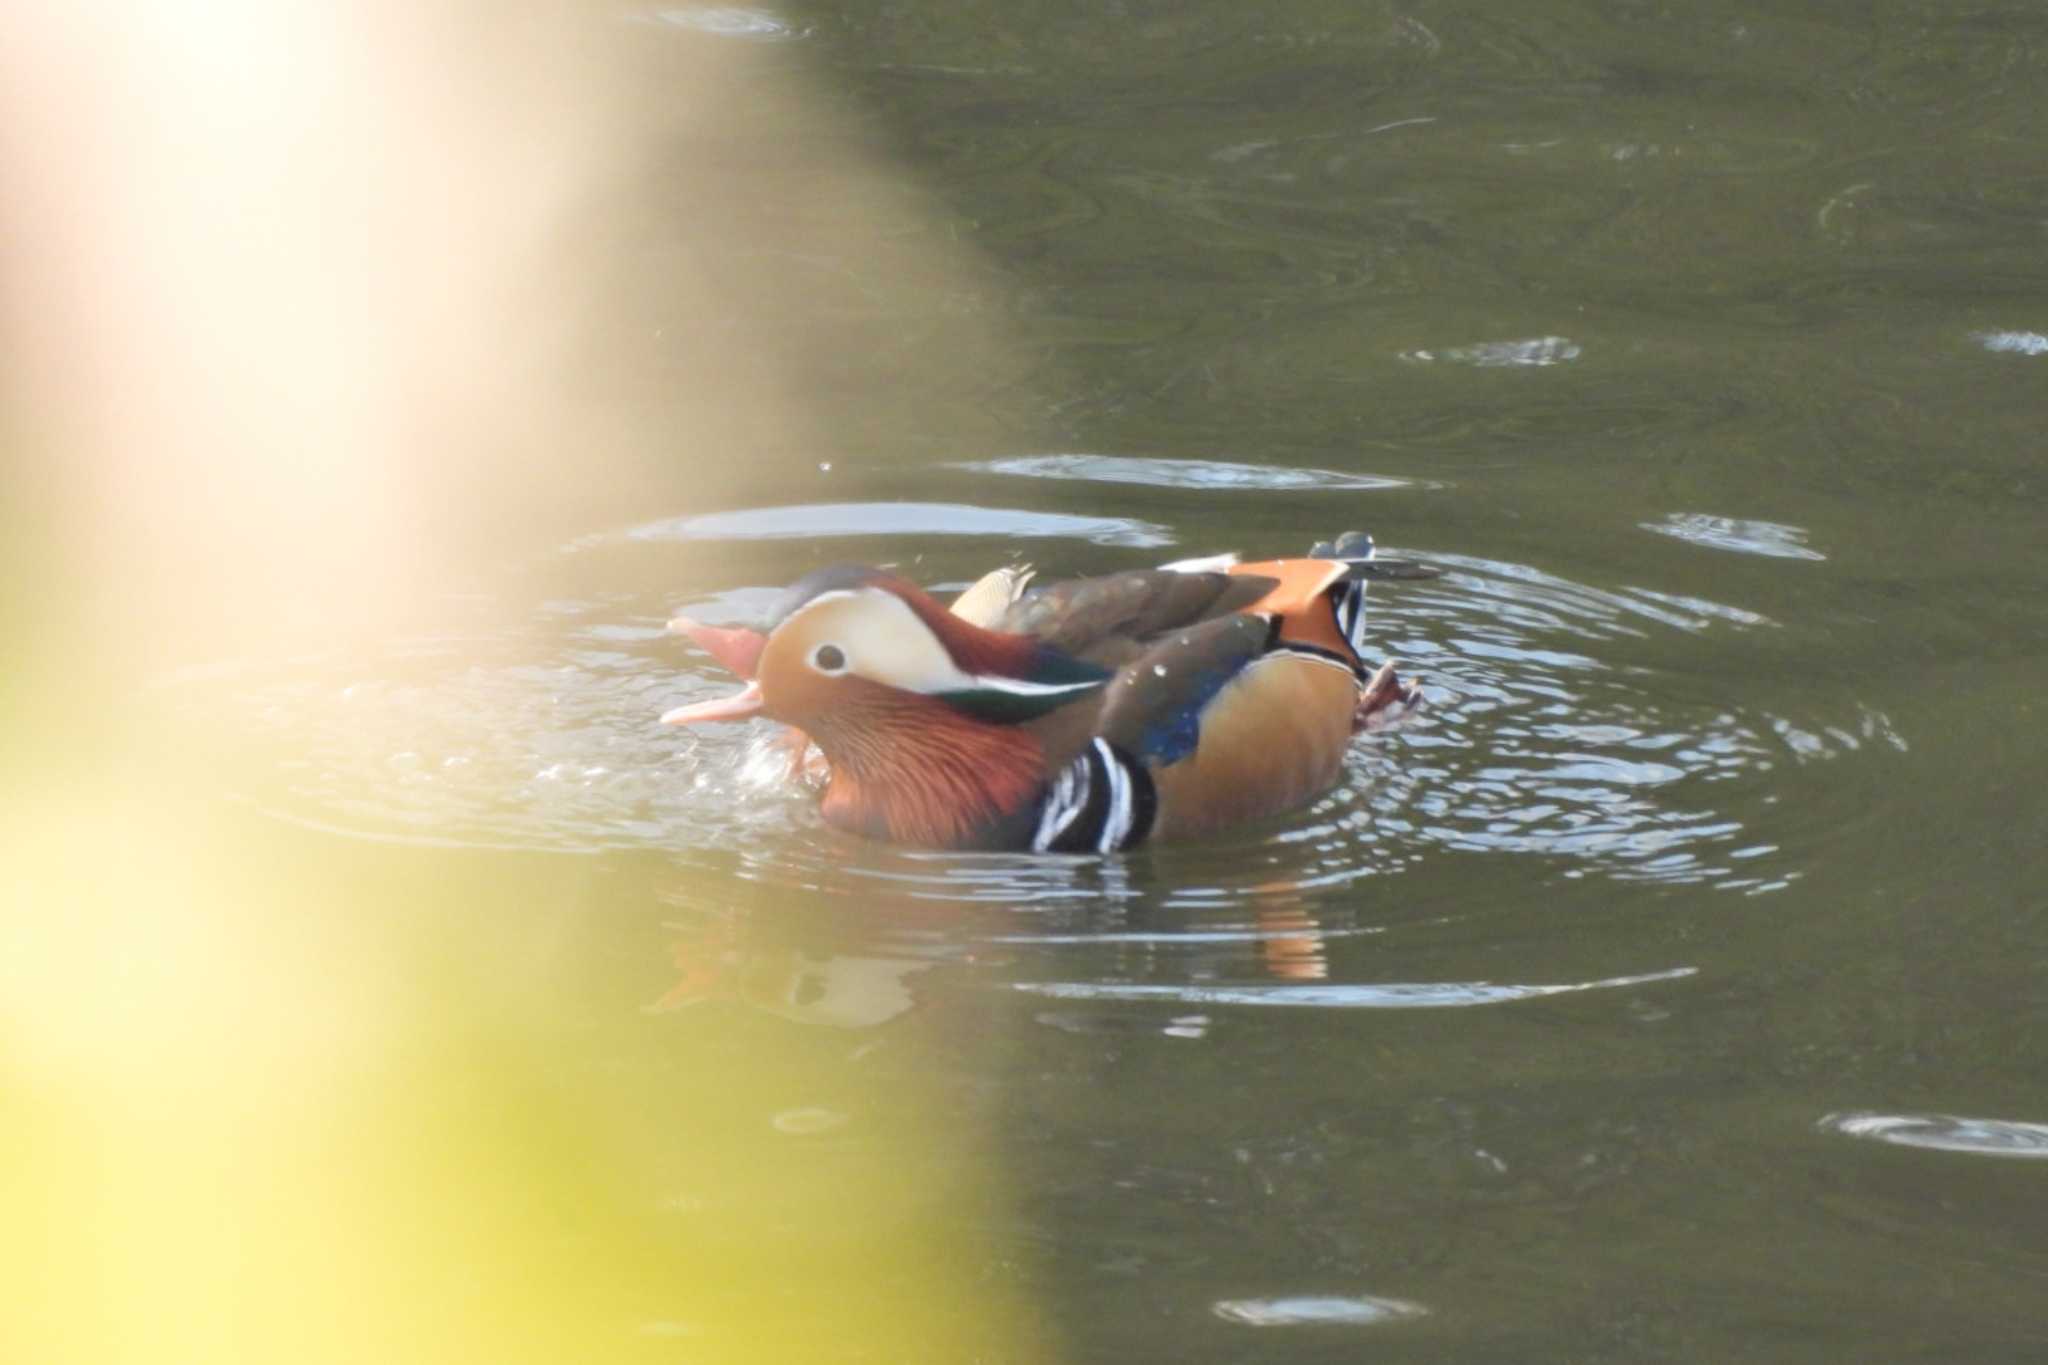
(1301, 599)
(911, 769)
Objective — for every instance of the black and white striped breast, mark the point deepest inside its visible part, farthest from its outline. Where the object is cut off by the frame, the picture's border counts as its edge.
(1100, 802)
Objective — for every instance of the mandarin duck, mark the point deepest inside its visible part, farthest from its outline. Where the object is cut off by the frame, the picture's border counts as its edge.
(1088, 715)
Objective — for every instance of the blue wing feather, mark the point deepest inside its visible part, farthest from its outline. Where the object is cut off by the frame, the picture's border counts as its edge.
(1156, 703)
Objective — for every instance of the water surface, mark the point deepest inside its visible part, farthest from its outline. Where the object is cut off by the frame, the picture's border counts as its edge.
(1673, 987)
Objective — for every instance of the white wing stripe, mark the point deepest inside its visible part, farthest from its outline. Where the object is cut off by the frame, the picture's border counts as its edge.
(1066, 801)
(1116, 822)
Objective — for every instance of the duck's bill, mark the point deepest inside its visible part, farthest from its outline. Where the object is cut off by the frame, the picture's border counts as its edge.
(737, 649)
(741, 704)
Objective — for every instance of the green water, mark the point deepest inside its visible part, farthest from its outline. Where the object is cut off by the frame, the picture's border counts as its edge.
(1676, 989)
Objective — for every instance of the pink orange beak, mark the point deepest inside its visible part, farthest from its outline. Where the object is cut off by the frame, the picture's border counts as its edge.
(741, 704)
(739, 651)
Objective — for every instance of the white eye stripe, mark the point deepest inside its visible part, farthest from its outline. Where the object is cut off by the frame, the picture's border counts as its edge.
(1020, 687)
(898, 648)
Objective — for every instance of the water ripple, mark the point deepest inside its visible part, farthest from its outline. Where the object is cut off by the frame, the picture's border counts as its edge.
(1165, 473)
(1390, 995)
(724, 21)
(1490, 355)
(2014, 343)
(1771, 539)
(1547, 736)
(902, 519)
(1945, 1133)
(1355, 1310)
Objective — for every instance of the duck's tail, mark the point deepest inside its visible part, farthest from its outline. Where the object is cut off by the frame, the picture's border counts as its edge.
(1356, 549)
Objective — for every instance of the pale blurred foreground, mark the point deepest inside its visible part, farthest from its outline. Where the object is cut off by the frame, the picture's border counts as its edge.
(312, 309)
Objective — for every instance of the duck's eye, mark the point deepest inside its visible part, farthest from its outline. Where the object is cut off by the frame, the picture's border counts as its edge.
(828, 659)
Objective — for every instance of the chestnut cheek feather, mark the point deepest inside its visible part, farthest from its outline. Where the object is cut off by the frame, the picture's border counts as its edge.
(913, 770)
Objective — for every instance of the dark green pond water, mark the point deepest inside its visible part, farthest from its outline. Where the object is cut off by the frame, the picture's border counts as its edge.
(1676, 988)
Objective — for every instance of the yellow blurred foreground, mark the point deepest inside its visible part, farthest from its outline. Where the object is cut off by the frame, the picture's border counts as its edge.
(311, 308)
(271, 1096)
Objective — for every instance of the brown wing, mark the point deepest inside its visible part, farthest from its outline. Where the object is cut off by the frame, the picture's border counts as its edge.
(1270, 740)
(1152, 709)
(1230, 727)
(1155, 708)
(1108, 619)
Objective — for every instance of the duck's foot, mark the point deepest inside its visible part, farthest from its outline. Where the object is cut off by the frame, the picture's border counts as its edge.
(1386, 699)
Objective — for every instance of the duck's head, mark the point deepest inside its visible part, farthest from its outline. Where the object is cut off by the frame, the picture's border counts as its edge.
(854, 642)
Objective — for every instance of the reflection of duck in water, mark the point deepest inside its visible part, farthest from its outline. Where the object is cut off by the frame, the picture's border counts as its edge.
(1291, 946)
(742, 960)
(1085, 715)
(725, 961)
